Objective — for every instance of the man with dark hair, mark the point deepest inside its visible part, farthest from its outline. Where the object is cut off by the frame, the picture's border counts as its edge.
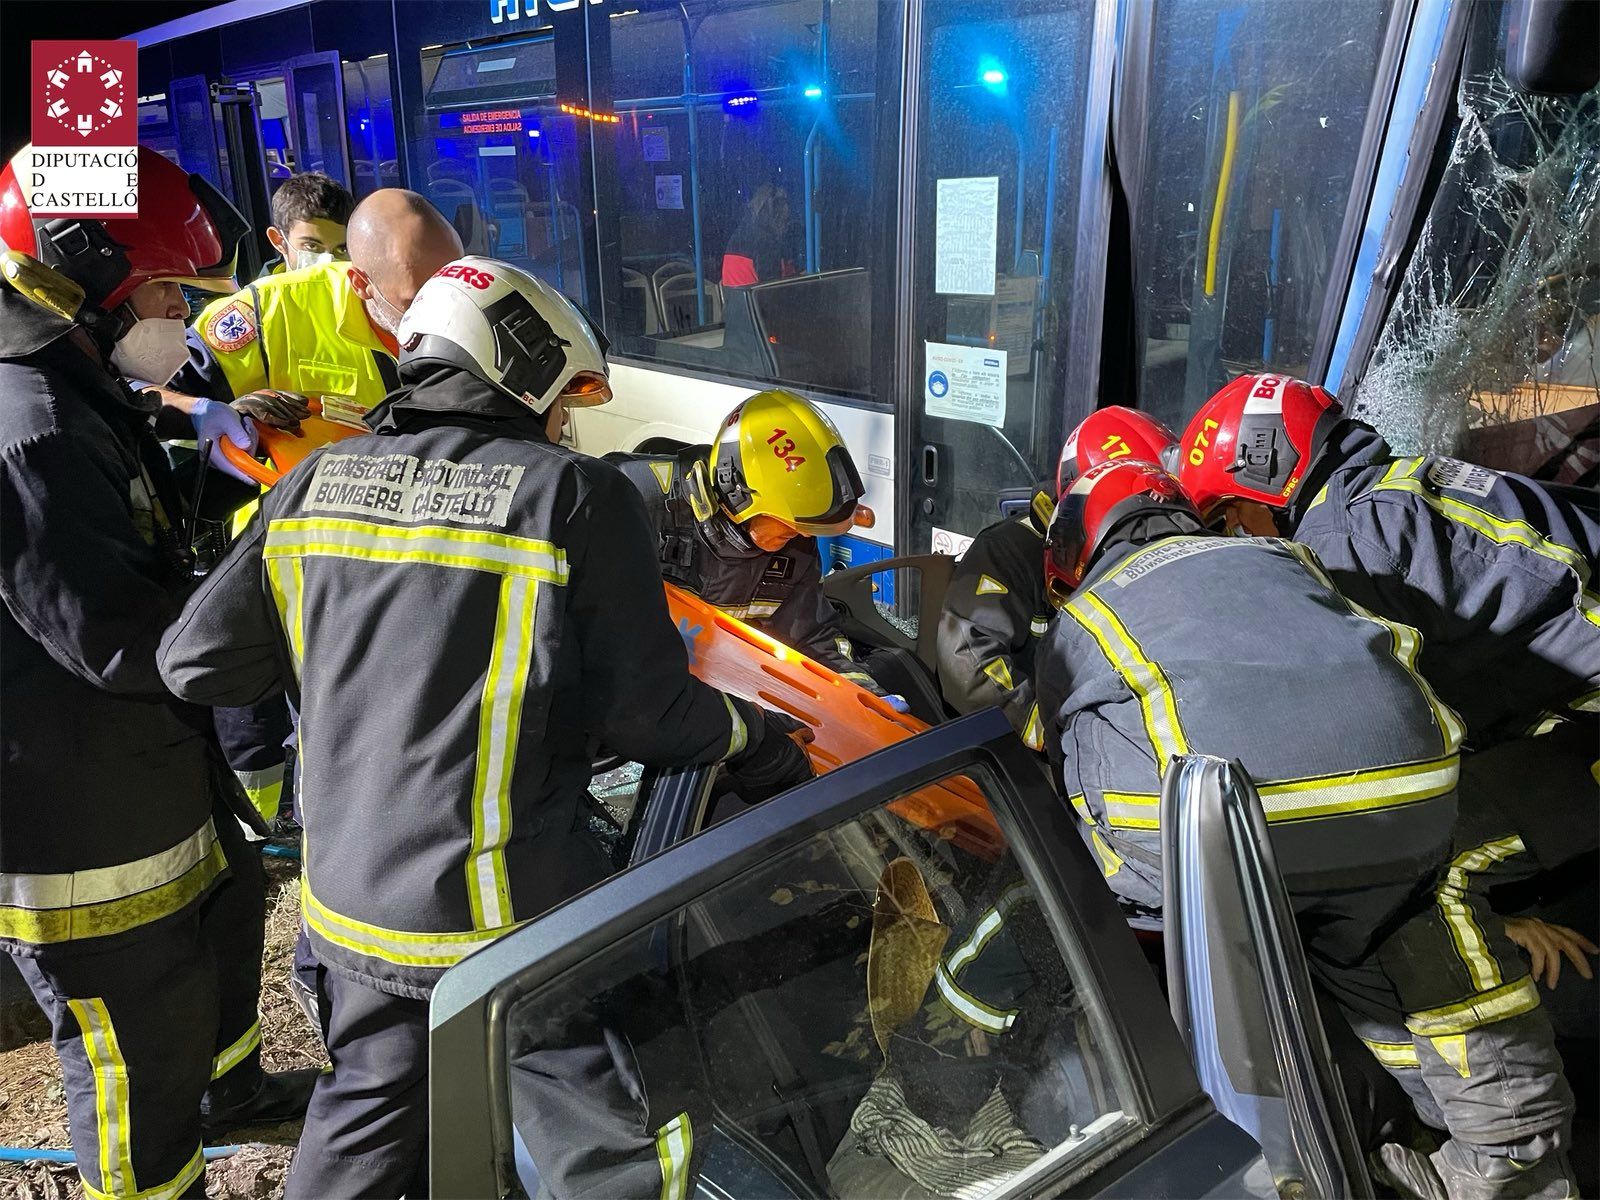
(309, 216)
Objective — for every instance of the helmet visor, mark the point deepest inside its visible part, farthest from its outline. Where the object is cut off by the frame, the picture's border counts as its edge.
(586, 389)
(847, 492)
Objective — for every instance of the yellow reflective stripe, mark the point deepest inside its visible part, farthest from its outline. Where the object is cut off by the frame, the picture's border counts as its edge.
(264, 787)
(1360, 791)
(1110, 863)
(1033, 731)
(238, 1052)
(1132, 810)
(1508, 1000)
(437, 545)
(1156, 703)
(997, 670)
(757, 610)
(1453, 1049)
(1500, 530)
(969, 1008)
(674, 1149)
(738, 736)
(171, 1190)
(288, 585)
(1588, 702)
(1471, 944)
(1318, 498)
(113, 1125)
(397, 946)
(1405, 644)
(499, 726)
(1394, 1055)
(66, 907)
(988, 925)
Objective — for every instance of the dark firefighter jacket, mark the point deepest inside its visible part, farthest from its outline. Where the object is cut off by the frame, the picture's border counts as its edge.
(105, 807)
(1242, 649)
(460, 611)
(1494, 570)
(995, 614)
(780, 594)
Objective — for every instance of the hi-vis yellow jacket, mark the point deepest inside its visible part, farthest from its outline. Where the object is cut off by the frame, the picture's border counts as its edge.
(300, 331)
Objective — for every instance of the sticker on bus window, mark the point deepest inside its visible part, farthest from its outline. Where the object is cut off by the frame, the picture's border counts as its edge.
(964, 383)
(669, 191)
(656, 144)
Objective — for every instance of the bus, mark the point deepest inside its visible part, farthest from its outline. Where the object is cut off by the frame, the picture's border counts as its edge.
(960, 225)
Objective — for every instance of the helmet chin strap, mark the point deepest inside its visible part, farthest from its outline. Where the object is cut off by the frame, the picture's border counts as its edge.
(728, 538)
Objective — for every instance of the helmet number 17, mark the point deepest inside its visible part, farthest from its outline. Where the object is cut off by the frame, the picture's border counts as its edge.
(785, 449)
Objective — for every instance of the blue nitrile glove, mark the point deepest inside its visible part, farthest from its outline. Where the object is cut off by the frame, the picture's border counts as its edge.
(213, 422)
(897, 702)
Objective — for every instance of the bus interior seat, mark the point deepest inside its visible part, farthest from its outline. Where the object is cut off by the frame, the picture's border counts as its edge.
(679, 311)
(673, 266)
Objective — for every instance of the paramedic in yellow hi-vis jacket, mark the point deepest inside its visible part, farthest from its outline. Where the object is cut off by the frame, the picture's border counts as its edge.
(325, 331)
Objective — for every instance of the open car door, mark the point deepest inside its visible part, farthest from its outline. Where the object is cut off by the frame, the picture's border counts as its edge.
(857, 989)
(1240, 989)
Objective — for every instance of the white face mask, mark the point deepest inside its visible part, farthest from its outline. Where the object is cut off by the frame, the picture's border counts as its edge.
(310, 258)
(152, 351)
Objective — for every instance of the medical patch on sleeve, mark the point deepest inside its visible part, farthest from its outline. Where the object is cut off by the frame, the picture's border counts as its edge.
(990, 586)
(1461, 476)
(232, 328)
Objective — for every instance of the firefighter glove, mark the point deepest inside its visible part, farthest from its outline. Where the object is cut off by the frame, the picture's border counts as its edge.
(772, 760)
(281, 410)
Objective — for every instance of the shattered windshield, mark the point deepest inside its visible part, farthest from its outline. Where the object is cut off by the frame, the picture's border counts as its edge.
(1489, 349)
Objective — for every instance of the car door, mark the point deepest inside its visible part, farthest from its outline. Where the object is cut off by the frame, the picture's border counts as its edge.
(903, 978)
(1245, 1004)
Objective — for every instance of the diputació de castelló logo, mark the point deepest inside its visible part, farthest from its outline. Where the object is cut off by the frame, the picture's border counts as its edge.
(84, 158)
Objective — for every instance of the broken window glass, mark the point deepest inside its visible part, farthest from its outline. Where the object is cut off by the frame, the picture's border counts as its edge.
(1489, 349)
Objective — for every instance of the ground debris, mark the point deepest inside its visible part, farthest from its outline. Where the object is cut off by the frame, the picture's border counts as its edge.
(33, 1109)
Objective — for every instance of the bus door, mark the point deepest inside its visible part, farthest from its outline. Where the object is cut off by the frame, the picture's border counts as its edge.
(314, 89)
(1009, 104)
(219, 136)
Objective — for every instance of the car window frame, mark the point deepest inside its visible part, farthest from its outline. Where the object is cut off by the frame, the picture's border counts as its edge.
(474, 998)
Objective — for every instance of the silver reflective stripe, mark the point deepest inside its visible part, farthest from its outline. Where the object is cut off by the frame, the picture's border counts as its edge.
(110, 1071)
(392, 945)
(969, 1008)
(1360, 791)
(987, 927)
(100, 884)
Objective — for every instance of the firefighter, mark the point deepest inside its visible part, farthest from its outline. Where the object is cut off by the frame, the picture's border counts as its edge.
(737, 521)
(462, 610)
(1173, 642)
(326, 330)
(995, 610)
(127, 898)
(1495, 570)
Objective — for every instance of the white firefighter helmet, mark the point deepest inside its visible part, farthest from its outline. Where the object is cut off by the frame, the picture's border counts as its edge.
(510, 329)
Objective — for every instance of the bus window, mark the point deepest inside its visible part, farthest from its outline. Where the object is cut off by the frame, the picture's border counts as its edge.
(1490, 346)
(369, 125)
(1004, 102)
(746, 185)
(1256, 115)
(316, 113)
(277, 140)
(155, 126)
(498, 157)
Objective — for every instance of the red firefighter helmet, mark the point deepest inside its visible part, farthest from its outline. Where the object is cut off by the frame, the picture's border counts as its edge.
(1097, 501)
(1254, 440)
(186, 232)
(1114, 433)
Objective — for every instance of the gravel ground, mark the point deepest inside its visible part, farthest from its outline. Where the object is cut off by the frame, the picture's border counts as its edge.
(33, 1109)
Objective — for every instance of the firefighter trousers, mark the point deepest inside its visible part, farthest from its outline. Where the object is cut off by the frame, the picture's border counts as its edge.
(1446, 1004)
(366, 1130)
(147, 1022)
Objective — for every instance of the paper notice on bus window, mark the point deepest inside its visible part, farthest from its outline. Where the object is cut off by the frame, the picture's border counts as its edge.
(964, 383)
(657, 145)
(669, 191)
(964, 238)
